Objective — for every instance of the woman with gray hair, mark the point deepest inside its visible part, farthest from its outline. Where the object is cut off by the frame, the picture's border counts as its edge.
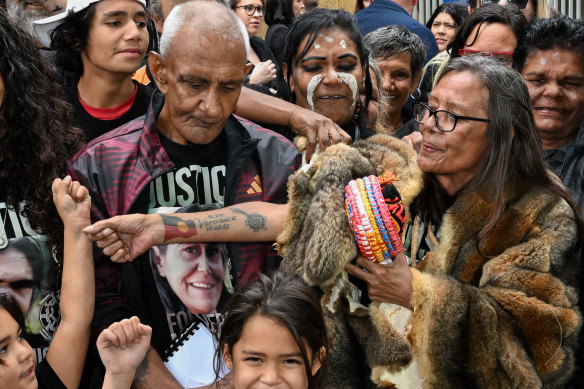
(492, 288)
(400, 57)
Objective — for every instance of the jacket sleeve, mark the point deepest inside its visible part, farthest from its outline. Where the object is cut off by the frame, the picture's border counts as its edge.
(516, 326)
(111, 302)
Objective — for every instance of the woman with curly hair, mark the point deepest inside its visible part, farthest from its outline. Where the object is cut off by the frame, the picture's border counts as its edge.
(99, 46)
(35, 142)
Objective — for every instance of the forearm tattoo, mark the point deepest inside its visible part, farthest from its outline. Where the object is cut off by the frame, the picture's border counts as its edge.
(175, 227)
(254, 220)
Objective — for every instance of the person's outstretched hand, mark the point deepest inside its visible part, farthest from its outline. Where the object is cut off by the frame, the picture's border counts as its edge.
(125, 237)
(391, 283)
(123, 345)
(317, 129)
(72, 201)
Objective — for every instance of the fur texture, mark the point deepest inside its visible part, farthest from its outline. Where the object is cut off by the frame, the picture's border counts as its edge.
(506, 318)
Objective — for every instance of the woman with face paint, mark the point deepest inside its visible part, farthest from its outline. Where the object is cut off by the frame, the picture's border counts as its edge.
(326, 68)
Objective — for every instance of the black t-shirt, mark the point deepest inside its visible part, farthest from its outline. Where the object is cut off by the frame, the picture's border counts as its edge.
(47, 378)
(28, 275)
(172, 282)
(93, 127)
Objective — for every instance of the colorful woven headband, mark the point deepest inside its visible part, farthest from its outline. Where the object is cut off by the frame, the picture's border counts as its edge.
(376, 216)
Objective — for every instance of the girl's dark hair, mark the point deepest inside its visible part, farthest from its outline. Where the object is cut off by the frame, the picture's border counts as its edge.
(69, 39)
(561, 32)
(9, 305)
(508, 15)
(36, 139)
(286, 299)
(279, 12)
(311, 24)
(457, 11)
(513, 147)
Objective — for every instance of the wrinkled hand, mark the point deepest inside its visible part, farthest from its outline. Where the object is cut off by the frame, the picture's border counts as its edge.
(123, 345)
(263, 72)
(125, 237)
(414, 140)
(317, 129)
(391, 283)
(72, 201)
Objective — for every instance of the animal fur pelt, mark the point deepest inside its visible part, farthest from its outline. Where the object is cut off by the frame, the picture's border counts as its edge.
(504, 315)
(317, 242)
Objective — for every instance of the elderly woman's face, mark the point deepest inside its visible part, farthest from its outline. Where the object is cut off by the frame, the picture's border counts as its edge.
(455, 157)
(329, 77)
(555, 80)
(397, 82)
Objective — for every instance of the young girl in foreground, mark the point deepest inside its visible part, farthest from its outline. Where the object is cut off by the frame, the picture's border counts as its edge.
(274, 334)
(122, 346)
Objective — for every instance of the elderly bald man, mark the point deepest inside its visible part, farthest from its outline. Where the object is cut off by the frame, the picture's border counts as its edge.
(187, 149)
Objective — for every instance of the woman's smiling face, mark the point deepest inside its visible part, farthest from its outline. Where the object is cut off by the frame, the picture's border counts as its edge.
(328, 78)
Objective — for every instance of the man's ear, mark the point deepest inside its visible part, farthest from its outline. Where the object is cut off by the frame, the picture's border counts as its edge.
(291, 81)
(227, 357)
(158, 68)
(158, 261)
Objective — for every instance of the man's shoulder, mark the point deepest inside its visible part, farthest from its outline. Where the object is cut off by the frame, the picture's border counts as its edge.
(259, 132)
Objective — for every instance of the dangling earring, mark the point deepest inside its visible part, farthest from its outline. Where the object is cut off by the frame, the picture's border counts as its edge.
(357, 111)
(417, 94)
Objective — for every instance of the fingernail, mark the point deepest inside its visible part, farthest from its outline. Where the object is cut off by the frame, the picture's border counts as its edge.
(67, 178)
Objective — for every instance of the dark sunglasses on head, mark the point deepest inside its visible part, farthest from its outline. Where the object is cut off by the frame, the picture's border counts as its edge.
(519, 3)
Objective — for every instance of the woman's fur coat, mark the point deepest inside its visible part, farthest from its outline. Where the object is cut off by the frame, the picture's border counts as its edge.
(506, 319)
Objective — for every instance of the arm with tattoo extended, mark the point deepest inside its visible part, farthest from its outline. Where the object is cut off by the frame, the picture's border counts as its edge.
(246, 222)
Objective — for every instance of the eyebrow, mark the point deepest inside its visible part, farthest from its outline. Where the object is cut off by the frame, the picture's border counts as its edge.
(298, 354)
(191, 78)
(348, 55)
(313, 58)
(450, 103)
(122, 13)
(4, 339)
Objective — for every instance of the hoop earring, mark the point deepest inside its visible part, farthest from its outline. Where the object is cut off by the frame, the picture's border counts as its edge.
(357, 111)
(417, 94)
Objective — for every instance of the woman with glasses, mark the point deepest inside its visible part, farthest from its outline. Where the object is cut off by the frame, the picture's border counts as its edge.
(491, 31)
(492, 287)
(263, 74)
(491, 295)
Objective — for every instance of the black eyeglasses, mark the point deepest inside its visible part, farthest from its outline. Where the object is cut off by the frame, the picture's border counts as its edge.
(251, 10)
(445, 120)
(519, 3)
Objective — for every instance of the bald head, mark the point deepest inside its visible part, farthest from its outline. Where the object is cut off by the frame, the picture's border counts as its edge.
(199, 19)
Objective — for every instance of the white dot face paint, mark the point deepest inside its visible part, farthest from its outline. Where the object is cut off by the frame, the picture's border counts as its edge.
(326, 38)
(317, 45)
(314, 81)
(343, 44)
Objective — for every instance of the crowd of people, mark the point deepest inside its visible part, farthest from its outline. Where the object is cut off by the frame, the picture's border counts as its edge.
(175, 209)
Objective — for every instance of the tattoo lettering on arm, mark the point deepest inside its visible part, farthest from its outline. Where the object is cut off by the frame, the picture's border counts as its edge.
(254, 220)
(175, 227)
